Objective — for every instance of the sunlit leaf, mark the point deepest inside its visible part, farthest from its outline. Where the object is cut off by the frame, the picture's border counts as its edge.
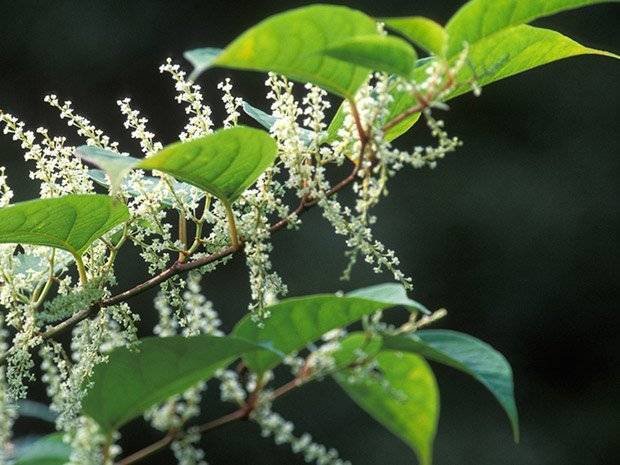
(469, 355)
(514, 50)
(293, 43)
(159, 367)
(224, 163)
(72, 222)
(422, 31)
(402, 396)
(481, 18)
(298, 321)
(503, 54)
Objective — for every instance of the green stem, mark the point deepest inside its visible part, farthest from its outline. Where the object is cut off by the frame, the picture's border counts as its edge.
(182, 236)
(81, 269)
(232, 226)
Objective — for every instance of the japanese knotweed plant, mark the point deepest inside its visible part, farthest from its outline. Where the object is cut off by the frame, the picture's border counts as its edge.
(228, 191)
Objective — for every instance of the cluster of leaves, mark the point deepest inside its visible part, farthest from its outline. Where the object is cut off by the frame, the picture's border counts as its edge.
(382, 368)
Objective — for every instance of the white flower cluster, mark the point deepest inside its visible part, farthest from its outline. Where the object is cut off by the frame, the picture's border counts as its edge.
(272, 424)
(200, 123)
(8, 410)
(57, 169)
(231, 104)
(38, 287)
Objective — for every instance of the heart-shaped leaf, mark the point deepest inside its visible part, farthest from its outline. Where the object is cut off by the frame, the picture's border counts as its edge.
(469, 355)
(402, 396)
(499, 46)
(298, 321)
(481, 18)
(159, 367)
(293, 43)
(72, 222)
(224, 163)
(514, 50)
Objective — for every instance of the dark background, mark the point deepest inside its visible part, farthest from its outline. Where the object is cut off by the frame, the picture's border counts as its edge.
(516, 234)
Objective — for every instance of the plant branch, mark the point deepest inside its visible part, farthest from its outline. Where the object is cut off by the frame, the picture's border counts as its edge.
(150, 449)
(181, 267)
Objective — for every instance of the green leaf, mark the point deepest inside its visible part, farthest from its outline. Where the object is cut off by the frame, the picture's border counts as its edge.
(49, 450)
(114, 164)
(503, 54)
(469, 355)
(160, 367)
(403, 397)
(72, 222)
(267, 121)
(499, 46)
(422, 31)
(201, 59)
(481, 18)
(293, 43)
(224, 163)
(514, 50)
(378, 53)
(298, 321)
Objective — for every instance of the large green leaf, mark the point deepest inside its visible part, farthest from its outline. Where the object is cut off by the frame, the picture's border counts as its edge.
(71, 222)
(503, 54)
(48, 450)
(480, 18)
(298, 321)
(403, 397)
(422, 31)
(378, 53)
(135, 379)
(293, 43)
(514, 50)
(499, 45)
(224, 163)
(469, 355)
